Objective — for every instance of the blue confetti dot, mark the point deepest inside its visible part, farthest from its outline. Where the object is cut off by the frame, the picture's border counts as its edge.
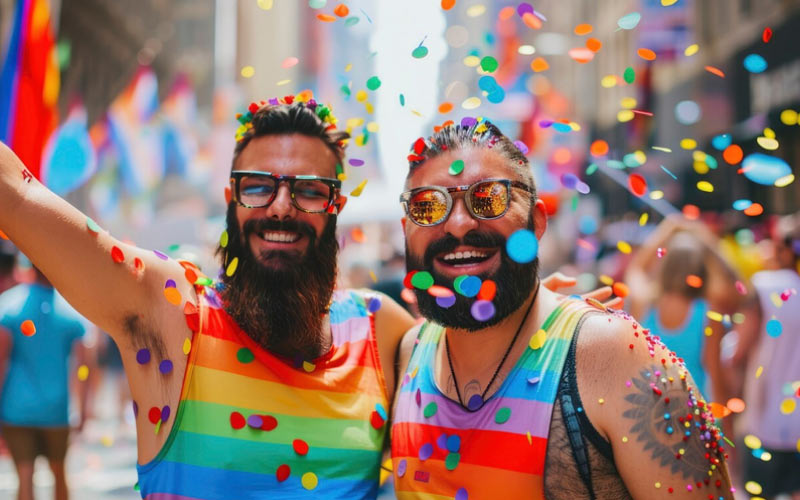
(453, 443)
(670, 430)
(774, 328)
(742, 204)
(470, 286)
(754, 63)
(721, 141)
(522, 246)
(764, 169)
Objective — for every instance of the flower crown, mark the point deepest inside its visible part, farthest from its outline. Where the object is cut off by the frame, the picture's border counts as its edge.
(305, 98)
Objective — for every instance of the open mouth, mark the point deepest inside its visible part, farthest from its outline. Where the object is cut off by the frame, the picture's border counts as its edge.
(280, 236)
(466, 258)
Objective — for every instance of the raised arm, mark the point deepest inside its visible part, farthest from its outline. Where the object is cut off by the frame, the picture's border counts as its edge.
(115, 285)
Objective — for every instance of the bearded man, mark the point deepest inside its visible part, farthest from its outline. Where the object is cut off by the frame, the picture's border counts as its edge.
(512, 390)
(271, 385)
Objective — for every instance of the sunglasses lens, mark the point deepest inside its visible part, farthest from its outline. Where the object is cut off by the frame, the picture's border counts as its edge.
(427, 207)
(489, 199)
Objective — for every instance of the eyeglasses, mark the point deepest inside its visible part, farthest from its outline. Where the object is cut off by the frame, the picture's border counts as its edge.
(486, 200)
(309, 193)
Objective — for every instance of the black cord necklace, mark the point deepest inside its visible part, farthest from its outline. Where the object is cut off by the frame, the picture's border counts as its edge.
(476, 402)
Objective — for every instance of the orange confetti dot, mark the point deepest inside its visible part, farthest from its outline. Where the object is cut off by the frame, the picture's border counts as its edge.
(638, 184)
(191, 275)
(506, 13)
(445, 107)
(736, 405)
(719, 411)
(694, 281)
(646, 54)
(341, 10)
(733, 154)
(358, 235)
(28, 328)
(620, 289)
(326, 18)
(583, 29)
(599, 148)
(594, 44)
(532, 21)
(3, 235)
(539, 64)
(488, 290)
(691, 212)
(715, 71)
(754, 210)
(173, 296)
(448, 4)
(581, 54)
(117, 255)
(440, 291)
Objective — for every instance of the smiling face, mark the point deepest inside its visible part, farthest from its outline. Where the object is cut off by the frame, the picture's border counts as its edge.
(465, 245)
(281, 230)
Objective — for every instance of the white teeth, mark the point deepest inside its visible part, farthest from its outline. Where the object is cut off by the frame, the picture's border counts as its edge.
(280, 236)
(464, 255)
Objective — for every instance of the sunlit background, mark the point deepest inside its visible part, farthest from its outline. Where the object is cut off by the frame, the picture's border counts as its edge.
(629, 110)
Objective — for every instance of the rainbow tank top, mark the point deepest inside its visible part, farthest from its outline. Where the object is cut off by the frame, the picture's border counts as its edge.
(442, 451)
(252, 426)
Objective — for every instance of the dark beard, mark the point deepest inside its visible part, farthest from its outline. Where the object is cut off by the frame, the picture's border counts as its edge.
(281, 308)
(515, 282)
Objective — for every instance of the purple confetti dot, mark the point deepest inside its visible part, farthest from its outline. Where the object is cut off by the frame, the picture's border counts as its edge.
(523, 148)
(583, 188)
(170, 284)
(355, 162)
(161, 255)
(406, 379)
(401, 467)
(165, 413)
(374, 304)
(165, 366)
(545, 123)
(441, 441)
(569, 181)
(468, 121)
(475, 402)
(461, 494)
(143, 356)
(482, 310)
(273, 101)
(425, 451)
(135, 409)
(255, 421)
(418, 397)
(524, 8)
(446, 302)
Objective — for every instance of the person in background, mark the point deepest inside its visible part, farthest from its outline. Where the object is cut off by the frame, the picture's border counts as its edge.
(769, 348)
(692, 279)
(8, 259)
(34, 402)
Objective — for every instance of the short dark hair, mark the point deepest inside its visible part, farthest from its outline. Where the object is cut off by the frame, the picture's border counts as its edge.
(296, 118)
(471, 133)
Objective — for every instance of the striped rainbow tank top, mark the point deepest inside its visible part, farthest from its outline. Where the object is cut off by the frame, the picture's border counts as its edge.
(442, 451)
(250, 426)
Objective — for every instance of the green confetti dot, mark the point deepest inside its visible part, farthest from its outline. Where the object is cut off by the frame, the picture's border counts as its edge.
(419, 52)
(345, 90)
(456, 167)
(430, 409)
(351, 21)
(245, 355)
(92, 225)
(502, 415)
(204, 281)
(489, 64)
(592, 168)
(402, 100)
(457, 283)
(629, 75)
(451, 462)
(422, 280)
(374, 83)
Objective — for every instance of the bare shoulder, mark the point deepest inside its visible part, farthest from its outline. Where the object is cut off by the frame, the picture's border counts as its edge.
(644, 402)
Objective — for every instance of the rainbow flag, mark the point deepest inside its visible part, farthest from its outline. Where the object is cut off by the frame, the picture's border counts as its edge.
(29, 83)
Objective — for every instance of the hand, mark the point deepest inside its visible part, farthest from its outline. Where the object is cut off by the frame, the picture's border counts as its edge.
(558, 281)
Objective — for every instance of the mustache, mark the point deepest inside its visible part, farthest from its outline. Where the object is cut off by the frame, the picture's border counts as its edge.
(474, 238)
(258, 226)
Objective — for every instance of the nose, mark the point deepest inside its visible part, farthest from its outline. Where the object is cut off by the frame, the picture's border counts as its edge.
(282, 207)
(460, 221)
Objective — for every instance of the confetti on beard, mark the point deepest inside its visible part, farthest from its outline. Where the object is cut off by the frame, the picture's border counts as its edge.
(515, 282)
(258, 297)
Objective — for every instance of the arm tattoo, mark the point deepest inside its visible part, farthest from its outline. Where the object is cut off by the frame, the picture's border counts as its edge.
(673, 424)
(26, 175)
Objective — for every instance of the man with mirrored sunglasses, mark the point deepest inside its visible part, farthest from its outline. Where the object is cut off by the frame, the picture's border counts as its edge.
(514, 391)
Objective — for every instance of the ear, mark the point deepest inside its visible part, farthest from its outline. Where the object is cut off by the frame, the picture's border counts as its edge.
(403, 221)
(539, 213)
(227, 195)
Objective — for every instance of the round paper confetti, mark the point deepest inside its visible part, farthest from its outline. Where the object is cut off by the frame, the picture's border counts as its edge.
(231, 269)
(752, 442)
(583, 29)
(430, 409)
(143, 356)
(419, 52)
(237, 420)
(764, 169)
(83, 373)
(425, 451)
(469, 286)
(300, 446)
(453, 443)
(117, 255)
(451, 461)
(28, 328)
(489, 64)
(165, 366)
(282, 474)
(456, 167)
(245, 355)
(475, 402)
(754, 63)
(774, 328)
(309, 480)
(687, 112)
(637, 184)
(422, 280)
(373, 83)
(446, 5)
(92, 225)
(629, 21)
(753, 488)
(482, 310)
(461, 494)
(401, 467)
(502, 415)
(646, 54)
(173, 296)
(446, 302)
(629, 75)
(538, 340)
(522, 246)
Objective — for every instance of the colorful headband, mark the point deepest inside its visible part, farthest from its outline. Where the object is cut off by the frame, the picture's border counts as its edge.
(306, 98)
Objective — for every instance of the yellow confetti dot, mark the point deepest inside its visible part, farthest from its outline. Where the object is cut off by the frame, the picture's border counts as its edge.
(606, 280)
(624, 439)
(248, 72)
(666, 3)
(640, 156)
(107, 441)
(656, 195)
(691, 50)
(700, 167)
(538, 340)
(708, 331)
(752, 442)
(223, 239)
(766, 456)
(373, 127)
(476, 10)
(688, 143)
(759, 371)
(624, 247)
(601, 400)
(663, 149)
(471, 61)
(625, 115)
(784, 181)
(798, 445)
(232, 266)
(753, 487)
(369, 108)
(265, 4)
(187, 346)
(658, 485)
(705, 186)
(789, 117)
(373, 276)
(609, 81)
(281, 83)
(643, 218)
(361, 95)
(769, 133)
(776, 299)
(348, 67)
(309, 480)
(355, 122)
(768, 143)
(309, 367)
(628, 102)
(681, 451)
(788, 405)
(173, 296)
(358, 189)
(414, 372)
(83, 373)
(471, 103)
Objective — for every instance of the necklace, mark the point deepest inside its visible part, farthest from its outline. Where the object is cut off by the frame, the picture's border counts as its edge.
(476, 402)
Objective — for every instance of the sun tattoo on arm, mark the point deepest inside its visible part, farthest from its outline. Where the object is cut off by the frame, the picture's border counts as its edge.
(672, 422)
